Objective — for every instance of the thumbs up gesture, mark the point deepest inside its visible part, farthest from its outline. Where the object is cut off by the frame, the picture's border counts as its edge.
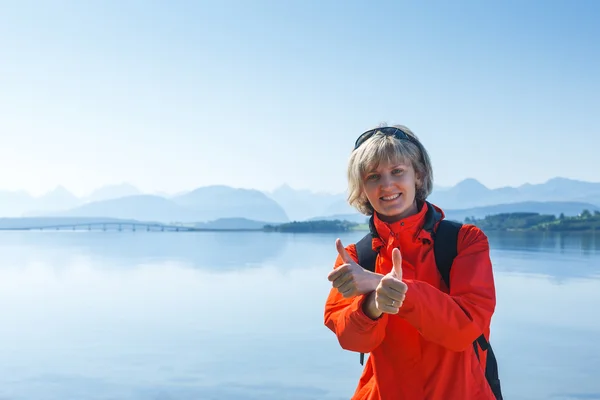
(350, 279)
(391, 291)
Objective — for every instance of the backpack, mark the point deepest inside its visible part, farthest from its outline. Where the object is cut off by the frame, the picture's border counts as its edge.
(445, 240)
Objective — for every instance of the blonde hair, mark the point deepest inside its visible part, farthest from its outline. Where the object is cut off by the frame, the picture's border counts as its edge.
(386, 148)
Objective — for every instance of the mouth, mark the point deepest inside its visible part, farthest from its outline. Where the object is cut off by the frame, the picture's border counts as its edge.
(391, 197)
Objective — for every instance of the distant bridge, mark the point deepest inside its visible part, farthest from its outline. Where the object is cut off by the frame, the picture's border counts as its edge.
(108, 226)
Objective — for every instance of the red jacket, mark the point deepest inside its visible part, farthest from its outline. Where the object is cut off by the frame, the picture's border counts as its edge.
(425, 351)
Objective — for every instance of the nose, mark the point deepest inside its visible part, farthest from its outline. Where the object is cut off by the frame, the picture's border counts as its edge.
(385, 181)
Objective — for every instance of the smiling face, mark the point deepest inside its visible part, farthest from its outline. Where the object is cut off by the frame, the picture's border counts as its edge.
(390, 188)
(389, 176)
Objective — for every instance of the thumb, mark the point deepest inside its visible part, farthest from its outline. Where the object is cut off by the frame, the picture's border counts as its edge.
(343, 253)
(397, 263)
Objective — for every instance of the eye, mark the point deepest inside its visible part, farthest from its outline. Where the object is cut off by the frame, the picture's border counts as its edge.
(372, 177)
(397, 171)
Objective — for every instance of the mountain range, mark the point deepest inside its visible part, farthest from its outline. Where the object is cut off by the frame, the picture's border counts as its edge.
(471, 193)
(468, 198)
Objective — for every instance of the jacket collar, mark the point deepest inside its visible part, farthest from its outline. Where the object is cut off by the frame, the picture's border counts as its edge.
(422, 224)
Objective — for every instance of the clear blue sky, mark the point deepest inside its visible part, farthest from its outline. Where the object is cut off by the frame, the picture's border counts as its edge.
(175, 95)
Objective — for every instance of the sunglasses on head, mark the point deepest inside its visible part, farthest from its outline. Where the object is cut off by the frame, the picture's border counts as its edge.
(388, 131)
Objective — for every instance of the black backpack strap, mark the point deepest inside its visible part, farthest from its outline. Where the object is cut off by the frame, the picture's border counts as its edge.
(491, 373)
(364, 248)
(365, 253)
(445, 243)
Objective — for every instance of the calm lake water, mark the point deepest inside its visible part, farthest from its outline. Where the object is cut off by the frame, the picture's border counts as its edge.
(157, 316)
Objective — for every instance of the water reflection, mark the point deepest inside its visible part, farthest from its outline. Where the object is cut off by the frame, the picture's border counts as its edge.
(240, 316)
(163, 330)
(585, 243)
(222, 251)
(575, 255)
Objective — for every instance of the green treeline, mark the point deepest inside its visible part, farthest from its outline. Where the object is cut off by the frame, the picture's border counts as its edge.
(517, 221)
(586, 221)
(312, 226)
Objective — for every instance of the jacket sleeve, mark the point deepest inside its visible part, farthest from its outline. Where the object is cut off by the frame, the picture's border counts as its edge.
(456, 319)
(345, 317)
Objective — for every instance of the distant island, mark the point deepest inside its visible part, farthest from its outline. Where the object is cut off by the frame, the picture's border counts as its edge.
(516, 221)
(321, 226)
(528, 221)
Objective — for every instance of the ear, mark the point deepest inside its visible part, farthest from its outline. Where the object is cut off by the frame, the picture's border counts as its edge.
(418, 182)
(418, 179)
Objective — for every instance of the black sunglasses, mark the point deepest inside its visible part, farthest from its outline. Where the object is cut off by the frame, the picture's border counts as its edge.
(388, 131)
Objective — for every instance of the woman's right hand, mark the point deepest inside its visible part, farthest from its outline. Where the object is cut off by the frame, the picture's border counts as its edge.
(350, 279)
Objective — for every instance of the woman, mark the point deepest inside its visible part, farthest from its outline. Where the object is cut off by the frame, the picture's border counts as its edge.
(419, 333)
